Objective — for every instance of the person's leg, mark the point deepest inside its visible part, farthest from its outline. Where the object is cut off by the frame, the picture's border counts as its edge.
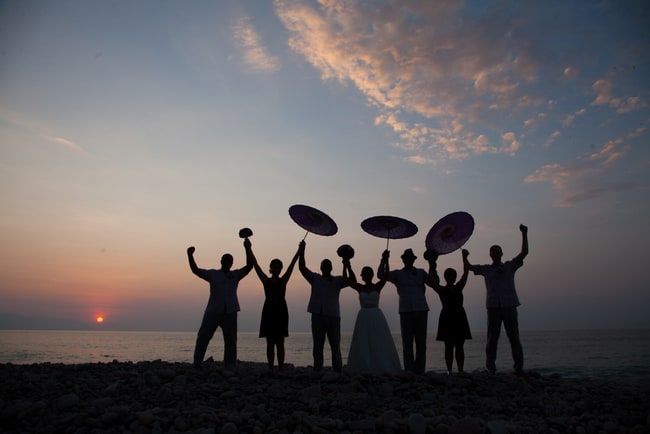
(206, 331)
(449, 355)
(406, 326)
(334, 339)
(460, 355)
(420, 332)
(493, 330)
(270, 356)
(280, 347)
(318, 336)
(511, 324)
(229, 329)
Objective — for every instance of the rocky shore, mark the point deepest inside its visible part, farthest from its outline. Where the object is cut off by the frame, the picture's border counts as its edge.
(162, 397)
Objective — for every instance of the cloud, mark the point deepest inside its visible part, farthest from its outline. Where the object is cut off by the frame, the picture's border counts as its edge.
(571, 117)
(535, 120)
(552, 138)
(69, 144)
(428, 60)
(450, 81)
(511, 144)
(570, 72)
(588, 176)
(428, 67)
(254, 54)
(26, 124)
(603, 89)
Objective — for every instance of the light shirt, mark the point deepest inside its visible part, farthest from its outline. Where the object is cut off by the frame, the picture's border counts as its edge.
(500, 282)
(325, 294)
(410, 288)
(223, 289)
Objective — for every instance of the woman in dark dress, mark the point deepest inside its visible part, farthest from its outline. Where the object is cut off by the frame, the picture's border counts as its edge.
(274, 325)
(453, 327)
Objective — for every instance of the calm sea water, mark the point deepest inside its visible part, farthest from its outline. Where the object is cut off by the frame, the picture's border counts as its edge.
(618, 355)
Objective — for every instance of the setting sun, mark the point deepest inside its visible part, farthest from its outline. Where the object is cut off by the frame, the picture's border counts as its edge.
(100, 319)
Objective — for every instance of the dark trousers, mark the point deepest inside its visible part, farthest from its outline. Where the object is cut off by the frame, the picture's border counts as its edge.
(211, 321)
(414, 330)
(507, 316)
(326, 326)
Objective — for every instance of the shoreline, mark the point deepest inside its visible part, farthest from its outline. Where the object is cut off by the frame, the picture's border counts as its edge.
(158, 396)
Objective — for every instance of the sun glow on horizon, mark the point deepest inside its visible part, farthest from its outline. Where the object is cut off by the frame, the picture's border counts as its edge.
(99, 319)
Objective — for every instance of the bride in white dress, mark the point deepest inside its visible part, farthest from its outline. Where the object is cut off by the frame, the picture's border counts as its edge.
(372, 349)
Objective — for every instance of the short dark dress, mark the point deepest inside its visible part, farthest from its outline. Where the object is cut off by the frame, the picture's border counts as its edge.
(452, 324)
(275, 314)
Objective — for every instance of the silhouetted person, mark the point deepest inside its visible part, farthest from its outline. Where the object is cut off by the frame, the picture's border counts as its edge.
(222, 307)
(324, 308)
(274, 325)
(413, 307)
(502, 301)
(453, 327)
(372, 349)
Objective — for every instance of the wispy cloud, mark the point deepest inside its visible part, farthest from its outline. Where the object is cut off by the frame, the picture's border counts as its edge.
(603, 89)
(587, 176)
(26, 124)
(69, 144)
(255, 55)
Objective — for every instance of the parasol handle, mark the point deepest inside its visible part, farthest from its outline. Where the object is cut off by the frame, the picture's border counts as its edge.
(387, 238)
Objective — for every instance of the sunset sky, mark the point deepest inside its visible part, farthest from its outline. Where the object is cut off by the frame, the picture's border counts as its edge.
(130, 130)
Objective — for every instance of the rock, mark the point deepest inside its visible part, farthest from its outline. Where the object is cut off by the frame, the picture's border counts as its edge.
(229, 428)
(67, 401)
(160, 397)
(468, 425)
(497, 427)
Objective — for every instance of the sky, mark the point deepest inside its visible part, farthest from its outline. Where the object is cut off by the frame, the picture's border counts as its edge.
(130, 131)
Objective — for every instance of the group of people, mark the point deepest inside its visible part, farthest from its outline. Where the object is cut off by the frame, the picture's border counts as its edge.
(372, 349)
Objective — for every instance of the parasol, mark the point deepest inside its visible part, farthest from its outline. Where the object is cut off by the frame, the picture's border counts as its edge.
(389, 227)
(312, 220)
(450, 232)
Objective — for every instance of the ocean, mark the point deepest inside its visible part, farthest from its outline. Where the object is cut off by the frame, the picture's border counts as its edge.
(615, 355)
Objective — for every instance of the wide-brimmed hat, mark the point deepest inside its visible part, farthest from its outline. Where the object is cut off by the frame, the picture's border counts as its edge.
(408, 253)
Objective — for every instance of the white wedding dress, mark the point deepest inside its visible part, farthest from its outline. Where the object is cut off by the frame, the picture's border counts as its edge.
(372, 349)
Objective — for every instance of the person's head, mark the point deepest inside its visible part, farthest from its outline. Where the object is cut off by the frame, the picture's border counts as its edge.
(450, 276)
(408, 257)
(226, 262)
(496, 253)
(275, 267)
(367, 274)
(326, 267)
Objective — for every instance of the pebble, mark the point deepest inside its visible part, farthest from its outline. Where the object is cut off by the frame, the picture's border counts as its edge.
(160, 397)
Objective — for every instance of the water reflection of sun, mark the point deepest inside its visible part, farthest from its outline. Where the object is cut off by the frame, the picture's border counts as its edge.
(99, 319)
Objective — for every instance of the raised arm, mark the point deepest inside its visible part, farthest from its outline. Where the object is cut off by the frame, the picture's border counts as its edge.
(347, 271)
(350, 279)
(466, 264)
(287, 274)
(190, 257)
(524, 241)
(463, 278)
(250, 258)
(433, 280)
(306, 273)
(384, 270)
(258, 270)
